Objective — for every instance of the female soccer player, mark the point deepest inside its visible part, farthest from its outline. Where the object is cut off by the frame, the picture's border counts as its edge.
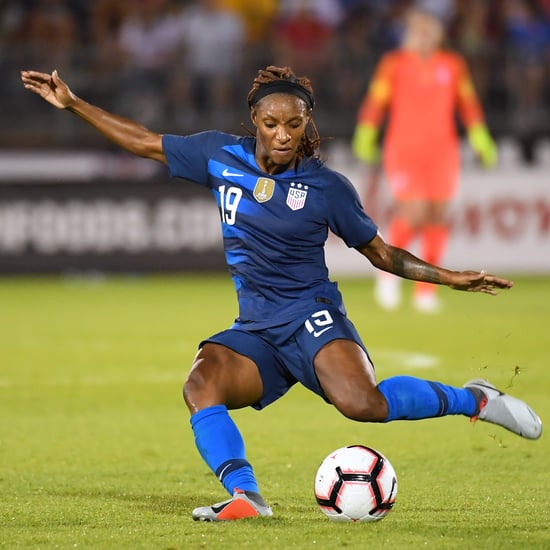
(421, 87)
(277, 201)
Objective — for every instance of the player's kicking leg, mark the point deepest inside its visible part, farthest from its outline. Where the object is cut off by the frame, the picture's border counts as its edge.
(504, 410)
(411, 398)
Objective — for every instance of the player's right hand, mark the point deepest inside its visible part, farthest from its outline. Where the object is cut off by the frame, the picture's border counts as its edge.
(365, 144)
(49, 87)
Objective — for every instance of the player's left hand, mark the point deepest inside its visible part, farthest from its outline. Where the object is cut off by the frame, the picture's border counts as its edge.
(479, 281)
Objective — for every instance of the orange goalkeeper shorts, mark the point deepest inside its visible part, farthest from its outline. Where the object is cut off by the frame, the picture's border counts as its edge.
(432, 176)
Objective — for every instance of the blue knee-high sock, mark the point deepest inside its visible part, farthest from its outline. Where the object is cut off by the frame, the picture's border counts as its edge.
(222, 447)
(412, 398)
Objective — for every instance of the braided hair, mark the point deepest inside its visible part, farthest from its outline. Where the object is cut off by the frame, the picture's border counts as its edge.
(311, 139)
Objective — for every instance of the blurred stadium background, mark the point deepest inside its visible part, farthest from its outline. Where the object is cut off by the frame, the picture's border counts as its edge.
(93, 445)
(70, 202)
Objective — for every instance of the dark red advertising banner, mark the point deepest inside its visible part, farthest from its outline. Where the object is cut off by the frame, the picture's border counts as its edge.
(108, 226)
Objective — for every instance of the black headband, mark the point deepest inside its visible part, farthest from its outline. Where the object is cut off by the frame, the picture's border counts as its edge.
(283, 87)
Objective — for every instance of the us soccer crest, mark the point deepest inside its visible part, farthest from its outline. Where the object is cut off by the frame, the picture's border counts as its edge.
(296, 198)
(264, 188)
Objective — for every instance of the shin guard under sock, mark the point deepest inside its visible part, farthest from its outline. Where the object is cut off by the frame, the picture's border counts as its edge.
(221, 445)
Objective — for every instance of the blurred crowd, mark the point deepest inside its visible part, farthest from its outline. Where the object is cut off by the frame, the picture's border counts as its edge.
(186, 65)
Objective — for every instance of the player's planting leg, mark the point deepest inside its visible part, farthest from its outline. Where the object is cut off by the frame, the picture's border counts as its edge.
(222, 447)
(243, 504)
(411, 398)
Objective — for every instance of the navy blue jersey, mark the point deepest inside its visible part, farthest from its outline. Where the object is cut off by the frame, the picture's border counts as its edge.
(274, 226)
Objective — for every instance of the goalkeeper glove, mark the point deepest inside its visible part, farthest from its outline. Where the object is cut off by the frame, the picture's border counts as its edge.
(482, 143)
(364, 143)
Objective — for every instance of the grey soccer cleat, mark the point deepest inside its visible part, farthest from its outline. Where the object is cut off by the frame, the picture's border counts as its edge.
(243, 504)
(506, 411)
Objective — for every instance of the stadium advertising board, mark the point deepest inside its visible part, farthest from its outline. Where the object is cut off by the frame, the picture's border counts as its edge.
(108, 226)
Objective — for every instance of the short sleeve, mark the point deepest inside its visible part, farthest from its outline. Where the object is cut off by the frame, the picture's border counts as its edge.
(188, 156)
(346, 217)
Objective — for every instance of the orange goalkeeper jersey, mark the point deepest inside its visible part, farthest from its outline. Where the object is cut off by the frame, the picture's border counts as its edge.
(422, 97)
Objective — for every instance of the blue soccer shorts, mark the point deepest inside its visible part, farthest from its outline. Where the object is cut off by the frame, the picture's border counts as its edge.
(284, 355)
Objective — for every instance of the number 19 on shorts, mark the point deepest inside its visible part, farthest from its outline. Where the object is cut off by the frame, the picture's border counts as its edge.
(319, 322)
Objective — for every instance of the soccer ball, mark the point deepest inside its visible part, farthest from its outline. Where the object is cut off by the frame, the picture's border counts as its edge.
(355, 483)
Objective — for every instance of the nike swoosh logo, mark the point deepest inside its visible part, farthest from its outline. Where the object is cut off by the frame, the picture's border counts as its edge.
(226, 173)
(220, 477)
(318, 333)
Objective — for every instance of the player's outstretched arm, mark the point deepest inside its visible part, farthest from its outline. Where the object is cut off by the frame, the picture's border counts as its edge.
(404, 264)
(126, 133)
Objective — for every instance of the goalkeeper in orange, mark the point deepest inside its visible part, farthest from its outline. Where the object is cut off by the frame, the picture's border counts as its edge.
(421, 87)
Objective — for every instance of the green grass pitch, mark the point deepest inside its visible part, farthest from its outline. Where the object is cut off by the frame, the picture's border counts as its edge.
(96, 449)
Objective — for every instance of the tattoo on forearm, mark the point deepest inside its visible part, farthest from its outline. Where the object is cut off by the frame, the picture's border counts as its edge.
(409, 266)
